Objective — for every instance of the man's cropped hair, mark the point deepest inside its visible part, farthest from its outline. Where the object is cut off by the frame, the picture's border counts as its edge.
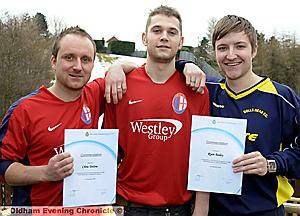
(71, 30)
(167, 11)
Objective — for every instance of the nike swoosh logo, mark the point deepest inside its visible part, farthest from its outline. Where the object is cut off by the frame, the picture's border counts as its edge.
(134, 101)
(53, 128)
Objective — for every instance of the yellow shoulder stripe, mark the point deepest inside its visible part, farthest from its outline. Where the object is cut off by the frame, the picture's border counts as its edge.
(265, 86)
(268, 86)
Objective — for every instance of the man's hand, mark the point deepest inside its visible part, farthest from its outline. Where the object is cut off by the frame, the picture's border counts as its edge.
(251, 163)
(59, 167)
(195, 77)
(115, 81)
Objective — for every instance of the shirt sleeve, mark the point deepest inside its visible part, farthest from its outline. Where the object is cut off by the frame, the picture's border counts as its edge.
(98, 86)
(14, 135)
(288, 159)
(110, 122)
(206, 103)
(180, 64)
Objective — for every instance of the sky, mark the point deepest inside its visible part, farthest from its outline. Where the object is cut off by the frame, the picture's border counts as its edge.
(126, 19)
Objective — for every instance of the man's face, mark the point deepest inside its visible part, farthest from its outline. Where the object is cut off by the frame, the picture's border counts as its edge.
(234, 55)
(163, 38)
(74, 62)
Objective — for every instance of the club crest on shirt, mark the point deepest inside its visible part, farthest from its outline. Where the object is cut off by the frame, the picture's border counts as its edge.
(179, 103)
(86, 115)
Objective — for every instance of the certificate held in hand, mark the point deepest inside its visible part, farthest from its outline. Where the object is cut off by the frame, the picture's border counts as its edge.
(215, 143)
(93, 181)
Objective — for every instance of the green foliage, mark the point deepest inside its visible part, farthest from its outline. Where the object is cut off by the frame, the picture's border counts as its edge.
(106, 58)
(187, 48)
(184, 48)
(121, 47)
(41, 23)
(100, 46)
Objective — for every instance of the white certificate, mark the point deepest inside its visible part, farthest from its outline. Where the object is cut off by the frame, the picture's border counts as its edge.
(215, 143)
(95, 167)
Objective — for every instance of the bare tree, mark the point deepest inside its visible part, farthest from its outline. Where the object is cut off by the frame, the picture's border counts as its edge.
(24, 54)
(56, 26)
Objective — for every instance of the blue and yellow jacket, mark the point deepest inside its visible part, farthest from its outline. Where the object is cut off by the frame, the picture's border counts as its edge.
(273, 114)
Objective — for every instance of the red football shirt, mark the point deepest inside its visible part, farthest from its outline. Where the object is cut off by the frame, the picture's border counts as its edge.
(154, 138)
(33, 131)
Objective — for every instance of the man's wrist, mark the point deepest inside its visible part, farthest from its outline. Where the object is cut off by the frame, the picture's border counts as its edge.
(271, 166)
(128, 66)
(180, 64)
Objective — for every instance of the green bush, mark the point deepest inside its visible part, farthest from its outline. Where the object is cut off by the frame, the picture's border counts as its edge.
(100, 45)
(187, 48)
(121, 47)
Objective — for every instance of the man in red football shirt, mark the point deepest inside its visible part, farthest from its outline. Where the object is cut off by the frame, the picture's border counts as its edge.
(154, 118)
(32, 131)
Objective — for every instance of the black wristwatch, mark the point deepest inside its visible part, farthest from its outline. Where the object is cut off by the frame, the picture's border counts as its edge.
(271, 166)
